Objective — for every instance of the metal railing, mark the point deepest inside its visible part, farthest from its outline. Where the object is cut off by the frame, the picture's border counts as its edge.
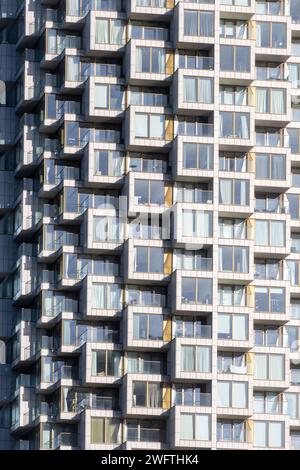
(202, 331)
(203, 399)
(198, 130)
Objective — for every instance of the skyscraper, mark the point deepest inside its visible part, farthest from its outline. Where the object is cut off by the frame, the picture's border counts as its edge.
(149, 224)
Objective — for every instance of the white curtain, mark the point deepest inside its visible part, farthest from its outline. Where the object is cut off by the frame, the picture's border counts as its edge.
(187, 359)
(258, 33)
(187, 426)
(261, 233)
(190, 89)
(261, 100)
(188, 223)
(191, 23)
(102, 28)
(276, 367)
(224, 326)
(239, 229)
(241, 260)
(117, 30)
(205, 90)
(205, 219)
(276, 233)
(223, 394)
(115, 164)
(101, 96)
(141, 125)
(242, 126)
(226, 194)
(203, 359)
(241, 30)
(277, 101)
(161, 60)
(98, 300)
(272, 403)
(139, 59)
(278, 167)
(94, 363)
(240, 323)
(275, 434)
(154, 394)
(239, 395)
(202, 427)
(100, 228)
(292, 271)
(260, 433)
(114, 296)
(73, 7)
(157, 126)
(239, 296)
(241, 96)
(260, 366)
(206, 23)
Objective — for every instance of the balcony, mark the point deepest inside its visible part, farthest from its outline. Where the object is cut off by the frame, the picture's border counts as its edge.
(62, 441)
(152, 9)
(270, 406)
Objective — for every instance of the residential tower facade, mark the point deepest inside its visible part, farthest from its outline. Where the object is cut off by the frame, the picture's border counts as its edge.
(149, 224)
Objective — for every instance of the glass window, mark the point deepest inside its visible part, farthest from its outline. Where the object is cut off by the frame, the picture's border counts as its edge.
(234, 125)
(270, 34)
(198, 23)
(149, 126)
(198, 90)
(151, 60)
(234, 58)
(198, 156)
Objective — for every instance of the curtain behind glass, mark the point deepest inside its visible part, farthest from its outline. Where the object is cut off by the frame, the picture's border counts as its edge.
(102, 31)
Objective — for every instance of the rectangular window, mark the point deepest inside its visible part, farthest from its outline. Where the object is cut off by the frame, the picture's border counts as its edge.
(270, 166)
(150, 192)
(147, 394)
(105, 430)
(196, 359)
(109, 97)
(270, 34)
(149, 259)
(234, 59)
(233, 327)
(231, 431)
(106, 229)
(106, 296)
(196, 291)
(198, 156)
(198, 90)
(234, 95)
(234, 191)
(271, 100)
(109, 163)
(147, 327)
(268, 434)
(269, 366)
(232, 295)
(234, 259)
(233, 228)
(269, 233)
(269, 299)
(105, 363)
(232, 394)
(150, 60)
(234, 125)
(198, 23)
(149, 126)
(109, 31)
(197, 223)
(195, 427)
